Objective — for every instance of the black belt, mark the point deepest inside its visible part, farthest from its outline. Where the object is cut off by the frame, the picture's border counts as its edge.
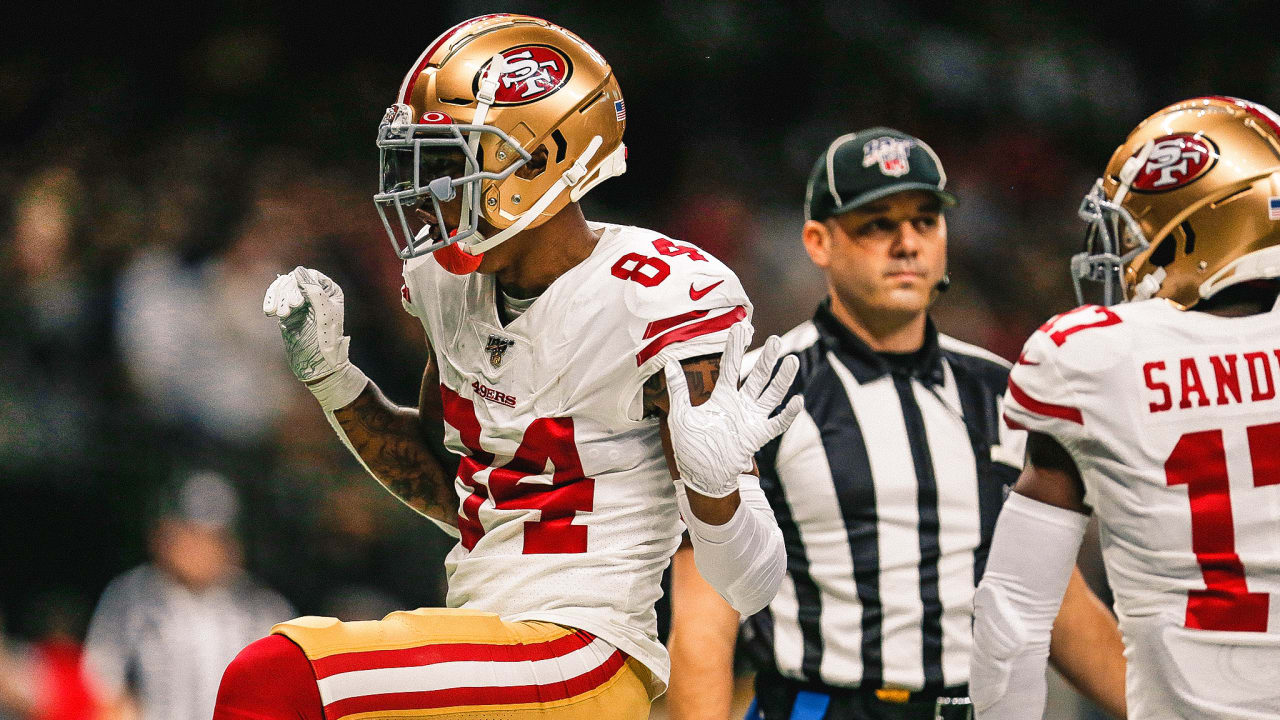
(777, 695)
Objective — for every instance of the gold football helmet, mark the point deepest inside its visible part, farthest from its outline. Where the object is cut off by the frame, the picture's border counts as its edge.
(1188, 205)
(478, 112)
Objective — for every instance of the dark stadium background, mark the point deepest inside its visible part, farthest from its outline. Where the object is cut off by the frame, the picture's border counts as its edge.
(160, 164)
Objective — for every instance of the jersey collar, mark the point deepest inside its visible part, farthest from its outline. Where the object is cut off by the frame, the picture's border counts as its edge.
(866, 364)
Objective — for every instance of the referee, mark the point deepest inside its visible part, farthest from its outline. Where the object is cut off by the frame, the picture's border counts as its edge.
(886, 486)
(164, 631)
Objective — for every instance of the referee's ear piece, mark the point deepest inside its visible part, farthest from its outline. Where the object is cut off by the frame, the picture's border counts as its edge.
(944, 283)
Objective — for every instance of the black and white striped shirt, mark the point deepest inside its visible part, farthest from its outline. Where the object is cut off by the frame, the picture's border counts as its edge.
(168, 644)
(886, 488)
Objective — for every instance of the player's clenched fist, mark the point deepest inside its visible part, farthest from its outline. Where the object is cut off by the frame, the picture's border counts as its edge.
(717, 440)
(309, 307)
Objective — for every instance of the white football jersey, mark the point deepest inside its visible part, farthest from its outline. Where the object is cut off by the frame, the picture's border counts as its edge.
(567, 510)
(1173, 419)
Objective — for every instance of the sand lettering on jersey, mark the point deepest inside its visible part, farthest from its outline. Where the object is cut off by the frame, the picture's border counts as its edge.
(1211, 380)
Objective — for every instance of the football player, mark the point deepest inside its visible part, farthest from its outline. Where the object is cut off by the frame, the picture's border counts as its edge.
(577, 370)
(1161, 416)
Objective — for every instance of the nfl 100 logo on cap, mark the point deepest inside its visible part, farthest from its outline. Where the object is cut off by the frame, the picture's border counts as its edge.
(892, 154)
(865, 166)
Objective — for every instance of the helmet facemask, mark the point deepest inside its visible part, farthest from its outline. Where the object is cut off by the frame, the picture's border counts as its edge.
(1113, 239)
(1112, 235)
(436, 162)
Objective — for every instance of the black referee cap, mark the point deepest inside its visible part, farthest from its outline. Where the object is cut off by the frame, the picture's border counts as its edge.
(200, 497)
(861, 167)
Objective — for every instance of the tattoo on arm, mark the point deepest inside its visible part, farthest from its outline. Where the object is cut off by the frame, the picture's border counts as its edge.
(390, 440)
(700, 373)
(430, 407)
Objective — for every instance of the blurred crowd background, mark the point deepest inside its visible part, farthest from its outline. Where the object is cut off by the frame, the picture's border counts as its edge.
(160, 167)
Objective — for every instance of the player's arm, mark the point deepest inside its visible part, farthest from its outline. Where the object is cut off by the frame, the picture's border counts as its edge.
(700, 375)
(1086, 647)
(1030, 565)
(711, 429)
(704, 627)
(704, 630)
(1085, 644)
(390, 441)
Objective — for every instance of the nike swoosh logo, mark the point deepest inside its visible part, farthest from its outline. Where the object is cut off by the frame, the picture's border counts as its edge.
(699, 294)
(1022, 360)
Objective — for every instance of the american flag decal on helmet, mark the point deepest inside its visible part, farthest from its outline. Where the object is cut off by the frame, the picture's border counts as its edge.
(620, 109)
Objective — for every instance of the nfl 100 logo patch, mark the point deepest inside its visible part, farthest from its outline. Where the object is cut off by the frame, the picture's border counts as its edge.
(496, 347)
(890, 153)
(1273, 208)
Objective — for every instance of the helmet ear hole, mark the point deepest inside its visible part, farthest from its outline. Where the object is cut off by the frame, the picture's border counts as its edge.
(536, 165)
(561, 145)
(1164, 252)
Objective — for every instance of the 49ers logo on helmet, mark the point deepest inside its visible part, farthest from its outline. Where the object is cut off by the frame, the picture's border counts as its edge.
(1175, 161)
(532, 72)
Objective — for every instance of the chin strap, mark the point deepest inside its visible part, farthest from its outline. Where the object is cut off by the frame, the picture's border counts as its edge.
(1149, 285)
(1129, 171)
(570, 178)
(484, 100)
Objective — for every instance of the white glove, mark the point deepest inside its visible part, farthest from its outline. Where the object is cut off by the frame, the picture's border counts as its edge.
(309, 307)
(717, 440)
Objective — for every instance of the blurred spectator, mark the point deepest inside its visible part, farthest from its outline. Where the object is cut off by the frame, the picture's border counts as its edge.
(163, 632)
(14, 697)
(51, 317)
(190, 335)
(44, 680)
